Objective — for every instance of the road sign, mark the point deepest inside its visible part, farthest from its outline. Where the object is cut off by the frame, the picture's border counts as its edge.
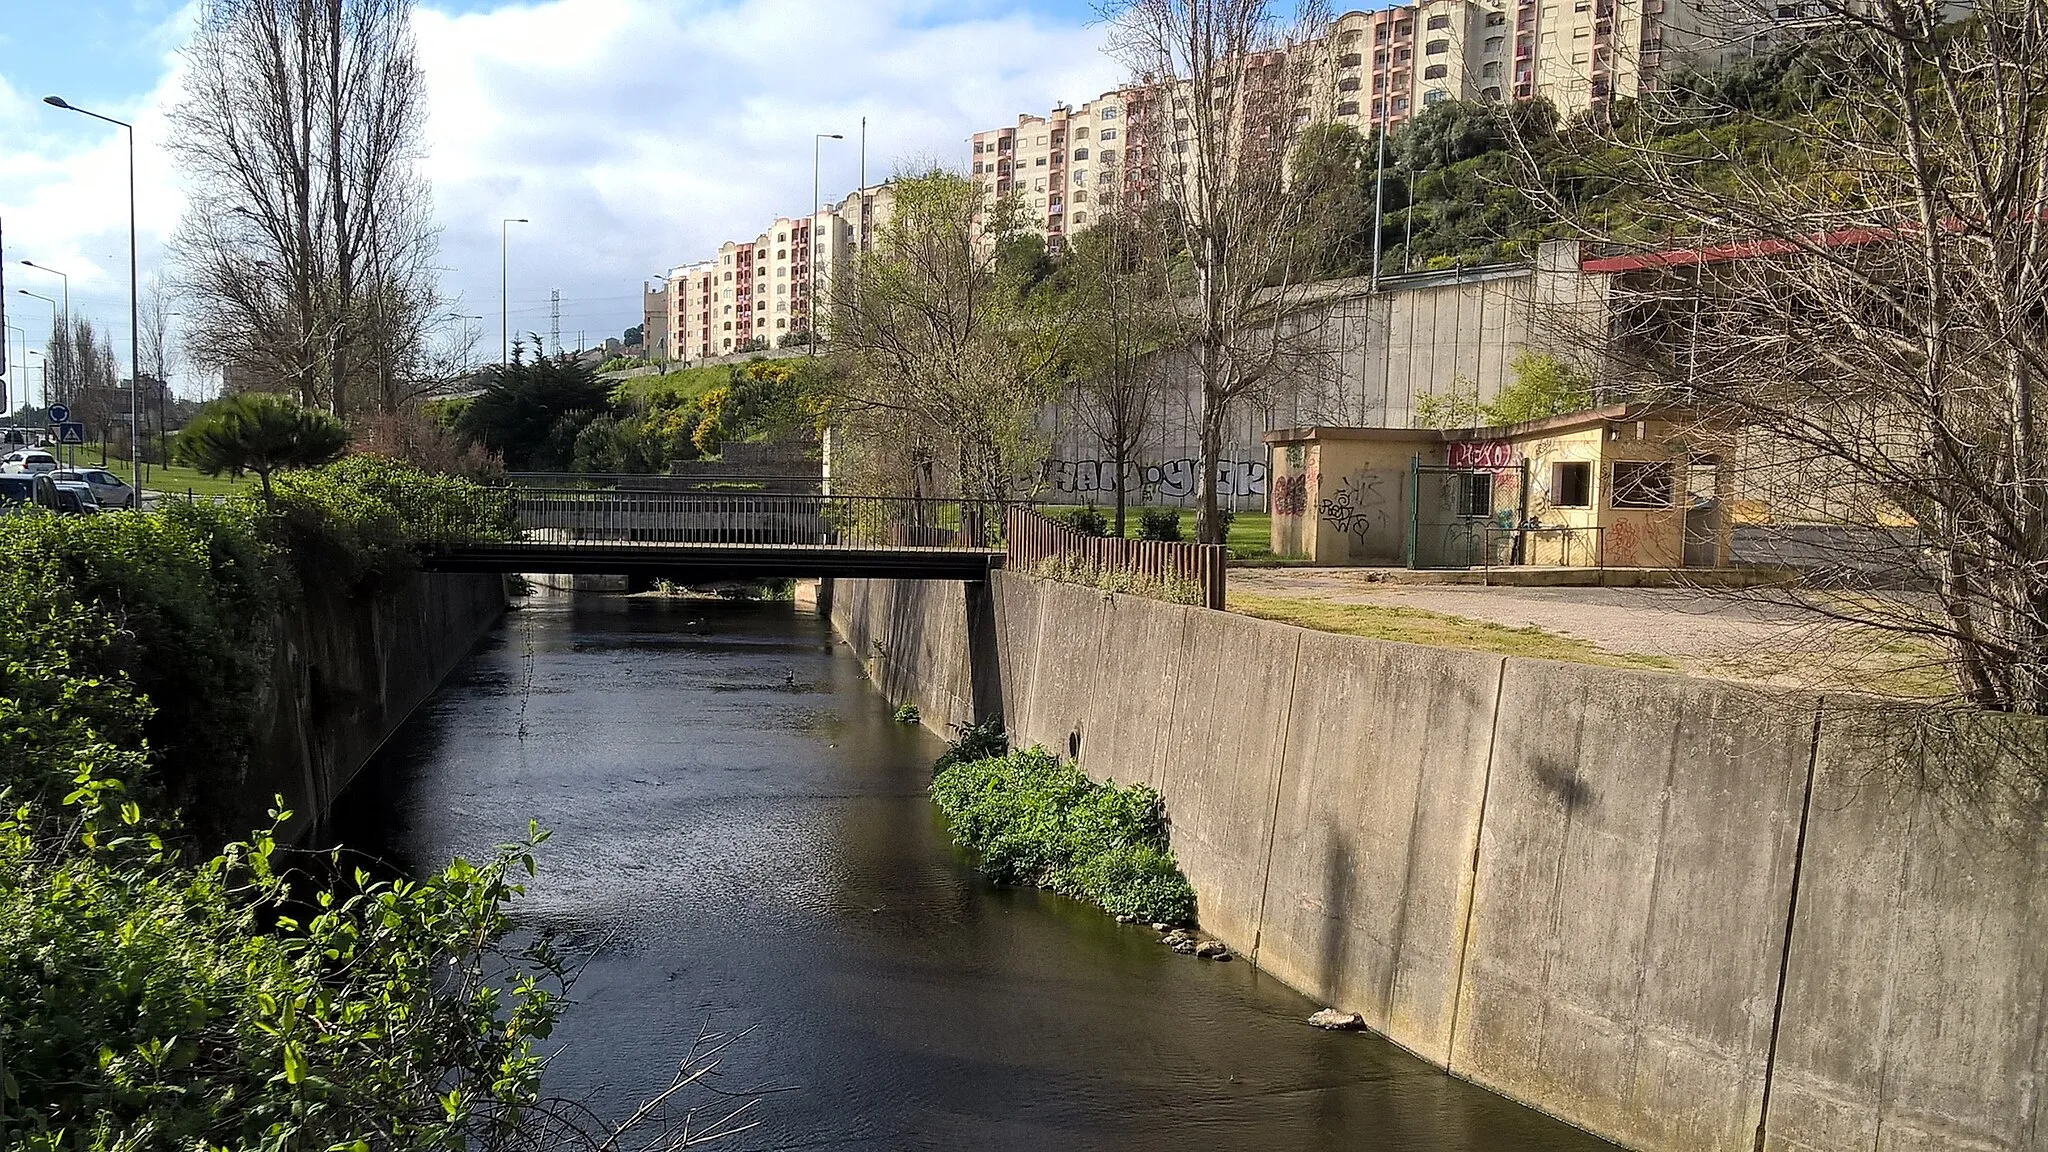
(70, 432)
(59, 414)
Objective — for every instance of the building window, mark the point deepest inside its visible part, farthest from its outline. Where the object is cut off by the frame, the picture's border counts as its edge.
(1490, 68)
(1438, 47)
(1080, 218)
(1436, 72)
(1080, 153)
(1380, 36)
(1107, 134)
(1640, 484)
(1107, 114)
(1439, 21)
(1039, 163)
(1571, 484)
(1080, 195)
(1348, 108)
(1475, 494)
(1080, 175)
(977, 148)
(1041, 141)
(1109, 155)
(1492, 93)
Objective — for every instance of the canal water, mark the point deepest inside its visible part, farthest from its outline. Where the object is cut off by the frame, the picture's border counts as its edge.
(741, 840)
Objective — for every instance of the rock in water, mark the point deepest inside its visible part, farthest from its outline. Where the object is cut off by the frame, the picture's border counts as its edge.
(1212, 950)
(1161, 927)
(1337, 1021)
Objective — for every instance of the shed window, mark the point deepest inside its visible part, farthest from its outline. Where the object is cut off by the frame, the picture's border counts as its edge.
(1640, 484)
(1475, 494)
(1571, 484)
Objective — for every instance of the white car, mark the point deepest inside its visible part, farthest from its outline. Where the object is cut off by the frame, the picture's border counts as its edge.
(110, 490)
(29, 461)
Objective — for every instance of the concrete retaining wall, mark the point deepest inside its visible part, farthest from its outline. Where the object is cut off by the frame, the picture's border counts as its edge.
(1681, 914)
(346, 672)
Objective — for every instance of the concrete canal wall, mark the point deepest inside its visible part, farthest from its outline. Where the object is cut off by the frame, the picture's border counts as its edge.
(1681, 914)
(347, 669)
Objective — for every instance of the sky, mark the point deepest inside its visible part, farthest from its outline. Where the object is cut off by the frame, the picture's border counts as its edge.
(634, 134)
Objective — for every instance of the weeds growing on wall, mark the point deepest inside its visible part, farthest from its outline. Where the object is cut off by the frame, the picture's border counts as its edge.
(148, 1002)
(1034, 820)
(1072, 570)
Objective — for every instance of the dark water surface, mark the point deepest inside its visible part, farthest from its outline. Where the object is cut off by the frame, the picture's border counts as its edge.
(736, 813)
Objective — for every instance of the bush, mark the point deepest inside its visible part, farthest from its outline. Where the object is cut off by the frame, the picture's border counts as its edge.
(908, 714)
(1088, 521)
(1034, 820)
(1159, 524)
(261, 433)
(149, 1003)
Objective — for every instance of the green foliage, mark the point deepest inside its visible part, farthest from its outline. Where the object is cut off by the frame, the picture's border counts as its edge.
(150, 1003)
(531, 412)
(1073, 570)
(1088, 520)
(907, 714)
(983, 741)
(177, 607)
(1159, 524)
(261, 433)
(1034, 820)
(1543, 386)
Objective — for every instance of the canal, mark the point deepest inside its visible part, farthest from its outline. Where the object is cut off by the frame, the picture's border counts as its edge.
(741, 839)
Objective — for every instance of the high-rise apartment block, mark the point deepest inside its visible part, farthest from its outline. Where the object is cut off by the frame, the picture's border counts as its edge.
(758, 292)
(1373, 69)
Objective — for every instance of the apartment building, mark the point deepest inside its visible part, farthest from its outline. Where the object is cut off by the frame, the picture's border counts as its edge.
(1063, 167)
(760, 289)
(654, 321)
(1375, 69)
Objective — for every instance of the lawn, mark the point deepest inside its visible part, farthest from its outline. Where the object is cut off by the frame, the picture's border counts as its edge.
(1416, 626)
(1249, 537)
(178, 480)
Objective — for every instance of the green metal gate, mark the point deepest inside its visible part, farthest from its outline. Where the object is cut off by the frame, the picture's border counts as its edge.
(1465, 518)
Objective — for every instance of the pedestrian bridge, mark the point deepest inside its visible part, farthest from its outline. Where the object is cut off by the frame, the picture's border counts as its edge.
(705, 536)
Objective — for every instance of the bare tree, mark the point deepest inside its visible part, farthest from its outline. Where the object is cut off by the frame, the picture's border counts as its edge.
(1866, 293)
(945, 360)
(1118, 297)
(308, 246)
(1215, 106)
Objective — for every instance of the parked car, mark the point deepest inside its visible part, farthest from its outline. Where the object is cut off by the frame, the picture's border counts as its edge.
(65, 498)
(110, 490)
(28, 461)
(16, 493)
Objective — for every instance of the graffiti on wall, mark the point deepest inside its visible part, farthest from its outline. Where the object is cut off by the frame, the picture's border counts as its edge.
(1290, 495)
(1358, 506)
(1171, 479)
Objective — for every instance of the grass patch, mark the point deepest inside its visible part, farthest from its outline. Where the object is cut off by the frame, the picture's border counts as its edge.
(178, 480)
(1250, 536)
(1417, 626)
(1031, 819)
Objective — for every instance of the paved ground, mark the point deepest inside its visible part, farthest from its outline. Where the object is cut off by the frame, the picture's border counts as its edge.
(1749, 635)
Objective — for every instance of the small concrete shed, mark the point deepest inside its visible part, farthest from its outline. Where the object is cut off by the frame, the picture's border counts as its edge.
(1627, 486)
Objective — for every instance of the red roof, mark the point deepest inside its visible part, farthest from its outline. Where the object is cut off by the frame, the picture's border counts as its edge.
(1734, 250)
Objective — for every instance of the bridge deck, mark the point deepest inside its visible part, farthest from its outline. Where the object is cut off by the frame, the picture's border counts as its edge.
(718, 561)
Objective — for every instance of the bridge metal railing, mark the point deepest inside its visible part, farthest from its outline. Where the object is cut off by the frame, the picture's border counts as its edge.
(583, 515)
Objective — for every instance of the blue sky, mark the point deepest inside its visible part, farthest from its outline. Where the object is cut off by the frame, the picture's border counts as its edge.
(636, 134)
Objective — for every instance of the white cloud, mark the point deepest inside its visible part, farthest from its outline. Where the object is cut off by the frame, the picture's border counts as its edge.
(635, 134)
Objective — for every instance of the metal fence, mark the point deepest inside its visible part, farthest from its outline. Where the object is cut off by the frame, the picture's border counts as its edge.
(1033, 541)
(563, 515)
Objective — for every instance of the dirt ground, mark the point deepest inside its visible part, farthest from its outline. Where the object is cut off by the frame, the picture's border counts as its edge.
(1761, 636)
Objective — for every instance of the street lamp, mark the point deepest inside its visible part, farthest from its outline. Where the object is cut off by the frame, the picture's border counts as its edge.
(134, 286)
(811, 278)
(33, 352)
(505, 287)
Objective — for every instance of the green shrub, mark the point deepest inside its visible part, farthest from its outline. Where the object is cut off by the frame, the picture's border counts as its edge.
(1159, 524)
(1088, 521)
(150, 1003)
(908, 714)
(1034, 820)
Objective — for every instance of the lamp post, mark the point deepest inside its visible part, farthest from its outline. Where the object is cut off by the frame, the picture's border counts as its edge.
(505, 287)
(33, 352)
(134, 285)
(811, 276)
